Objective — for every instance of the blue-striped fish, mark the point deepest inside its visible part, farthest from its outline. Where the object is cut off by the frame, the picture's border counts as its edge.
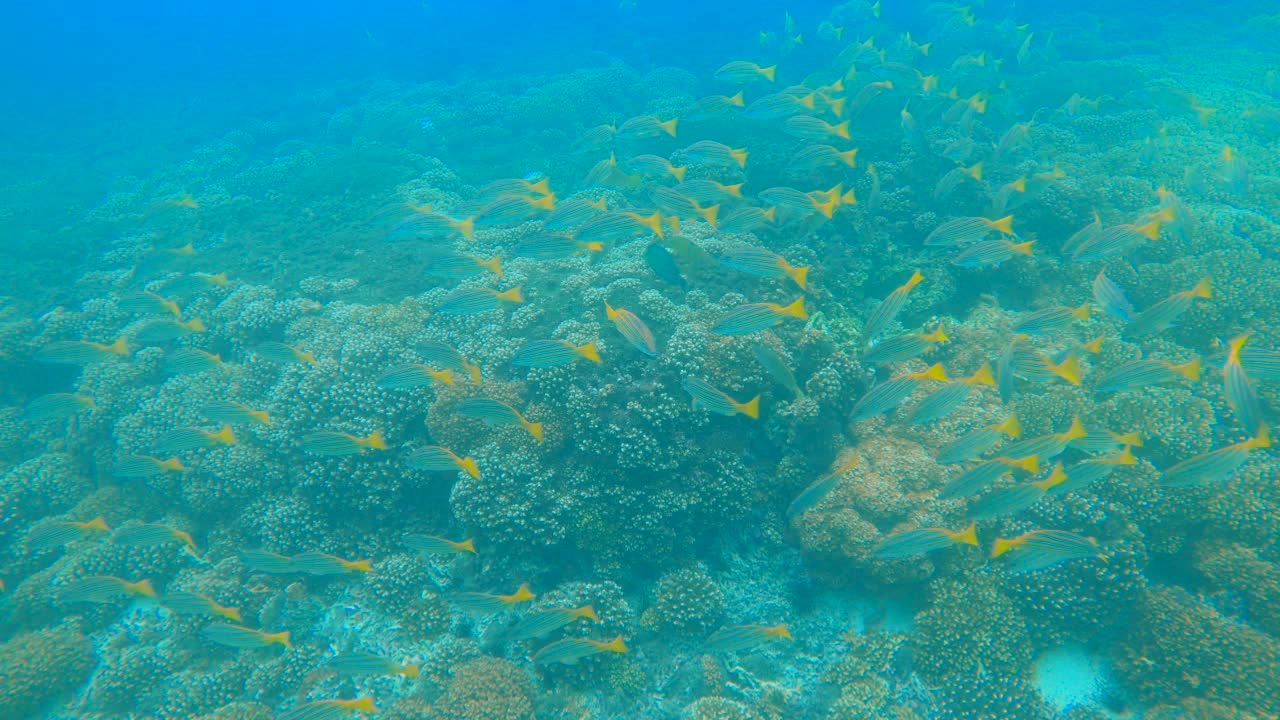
(363, 663)
(1047, 447)
(712, 107)
(1111, 298)
(888, 310)
(243, 638)
(492, 412)
(267, 562)
(978, 477)
(646, 126)
(656, 167)
(816, 157)
(1013, 500)
(776, 367)
(1039, 368)
(428, 224)
(554, 247)
(904, 347)
(188, 603)
(1260, 364)
(230, 411)
(1116, 240)
(709, 398)
(1215, 465)
(183, 439)
(489, 604)
(808, 127)
(992, 252)
(336, 444)
(434, 545)
(746, 219)
(1083, 235)
(791, 199)
(1142, 374)
(149, 534)
(81, 352)
(57, 406)
(570, 650)
(548, 621)
(413, 375)
(318, 563)
(820, 488)
(550, 353)
(618, 226)
(1165, 313)
(278, 352)
(741, 72)
(159, 331)
(185, 361)
(967, 230)
(710, 152)
(889, 394)
(56, 534)
(144, 466)
(456, 265)
(1060, 544)
(1083, 474)
(147, 302)
(1239, 390)
(1101, 442)
(330, 709)
(633, 329)
(741, 638)
(710, 191)
(514, 209)
(977, 443)
(764, 263)
(446, 356)
(778, 106)
(911, 543)
(104, 589)
(473, 301)
(572, 213)
(754, 317)
(1050, 320)
(944, 401)
(436, 458)
(673, 203)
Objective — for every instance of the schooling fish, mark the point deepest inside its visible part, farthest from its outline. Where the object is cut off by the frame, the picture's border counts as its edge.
(741, 72)
(330, 709)
(943, 402)
(446, 356)
(1047, 447)
(889, 394)
(492, 412)
(712, 107)
(776, 366)
(455, 266)
(1165, 313)
(514, 209)
(571, 650)
(1083, 474)
(646, 126)
(741, 638)
(413, 375)
(81, 352)
(764, 263)
(978, 477)
(618, 226)
(150, 534)
(713, 400)
(284, 354)
(1111, 298)
(1239, 390)
(663, 264)
(979, 442)
(433, 545)
(552, 353)
(753, 317)
(1142, 374)
(336, 444)
(185, 361)
(436, 458)
(555, 247)
(820, 488)
(888, 310)
(571, 214)
(147, 302)
(362, 663)
(183, 439)
(473, 301)
(104, 589)
(487, 604)
(548, 621)
(160, 331)
(778, 106)
(1060, 544)
(144, 466)
(992, 252)
(57, 534)
(318, 563)
(243, 638)
(188, 603)
(57, 406)
(807, 127)
(229, 411)
(710, 191)
(911, 543)
(1050, 320)
(904, 347)
(710, 152)
(267, 562)
(1118, 239)
(1215, 465)
(633, 329)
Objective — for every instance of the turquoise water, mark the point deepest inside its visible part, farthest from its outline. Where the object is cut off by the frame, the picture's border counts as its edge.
(707, 361)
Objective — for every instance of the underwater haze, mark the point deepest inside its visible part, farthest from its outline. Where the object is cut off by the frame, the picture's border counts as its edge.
(640, 360)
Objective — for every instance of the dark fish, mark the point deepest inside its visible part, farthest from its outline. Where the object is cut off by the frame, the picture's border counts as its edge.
(663, 264)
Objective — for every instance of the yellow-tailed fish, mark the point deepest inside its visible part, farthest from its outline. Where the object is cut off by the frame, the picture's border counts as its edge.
(904, 347)
(197, 282)
(888, 310)
(866, 94)
(792, 199)
(778, 105)
(183, 439)
(1215, 465)
(764, 263)
(1235, 172)
(473, 301)
(944, 401)
(446, 356)
(149, 534)
(1050, 320)
(1042, 548)
(607, 173)
(1042, 369)
(334, 444)
(185, 361)
(712, 107)
(572, 213)
(1111, 298)
(820, 488)
(1082, 474)
(646, 126)
(545, 622)
(267, 562)
(516, 186)
(776, 367)
(707, 397)
(229, 411)
(243, 638)
(1100, 442)
(746, 219)
(1165, 313)
(1083, 236)
(362, 663)
(551, 353)
(815, 157)
(979, 442)
(514, 209)
(827, 201)
(457, 265)
(741, 638)
(709, 191)
(992, 252)
(1142, 374)
(672, 202)
(911, 543)
(278, 352)
(618, 226)
(492, 412)
(1047, 447)
(1014, 499)
(953, 179)
(596, 138)
(571, 650)
(57, 406)
(143, 466)
(978, 477)
(435, 225)
(555, 247)
(181, 602)
(330, 709)
(413, 375)
(1238, 388)
(442, 459)
(656, 167)
(741, 72)
(889, 394)
(81, 352)
(633, 329)
(104, 589)
(488, 604)
(753, 317)
(57, 534)
(433, 545)
(147, 302)
(160, 331)
(318, 563)
(710, 152)
(1118, 239)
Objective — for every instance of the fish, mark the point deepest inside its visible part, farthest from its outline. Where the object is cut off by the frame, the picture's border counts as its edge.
(807, 127)
(335, 444)
(816, 157)
(1087, 472)
(1235, 172)
(776, 367)
(552, 353)
(1111, 298)
(283, 354)
(903, 347)
(572, 213)
(181, 602)
(243, 638)
(555, 247)
(710, 191)
(147, 302)
(663, 264)
(655, 166)
(1116, 240)
(159, 331)
(456, 265)
(436, 458)
(473, 301)
(1260, 364)
(267, 562)
(570, 650)
(516, 186)
(82, 352)
(183, 439)
(753, 317)
(427, 224)
(911, 543)
(596, 138)
(1012, 500)
(1099, 442)
(712, 107)
(1141, 374)
(1050, 320)
(229, 411)
(676, 204)
(493, 412)
(1165, 313)
(1083, 236)
(977, 443)
(944, 401)
(978, 477)
(433, 545)
(633, 329)
(144, 466)
(646, 126)
(778, 105)
(57, 534)
(887, 311)
(545, 622)
(318, 563)
(742, 72)
(413, 375)
(57, 406)
(486, 604)
(448, 357)
(330, 709)
(710, 152)
(105, 589)
(889, 394)
(151, 534)
(992, 252)
(1060, 544)
(820, 488)
(764, 263)
(514, 209)
(746, 219)
(953, 179)
(707, 397)
(741, 638)
(1047, 447)
(618, 226)
(1042, 369)
(186, 361)
(362, 663)
(1216, 465)
(1239, 390)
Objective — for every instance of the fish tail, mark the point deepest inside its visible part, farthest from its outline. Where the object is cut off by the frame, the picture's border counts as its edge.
(751, 408)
